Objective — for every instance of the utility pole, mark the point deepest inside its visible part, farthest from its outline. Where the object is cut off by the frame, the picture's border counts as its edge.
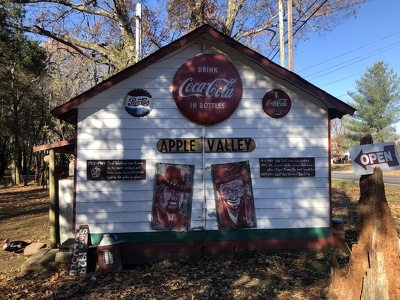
(290, 35)
(138, 31)
(281, 33)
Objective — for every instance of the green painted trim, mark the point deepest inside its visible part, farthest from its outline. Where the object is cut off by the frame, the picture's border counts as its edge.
(215, 235)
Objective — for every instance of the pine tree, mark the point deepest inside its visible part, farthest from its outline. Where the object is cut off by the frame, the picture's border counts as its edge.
(377, 101)
(22, 103)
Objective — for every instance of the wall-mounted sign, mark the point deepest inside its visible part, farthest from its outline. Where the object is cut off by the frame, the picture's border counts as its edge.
(207, 89)
(210, 145)
(138, 103)
(130, 169)
(287, 167)
(365, 158)
(234, 197)
(276, 103)
(172, 200)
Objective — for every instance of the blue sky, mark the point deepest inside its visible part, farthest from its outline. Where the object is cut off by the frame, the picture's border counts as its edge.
(334, 61)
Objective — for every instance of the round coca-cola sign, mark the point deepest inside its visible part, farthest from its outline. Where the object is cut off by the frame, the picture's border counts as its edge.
(276, 103)
(207, 89)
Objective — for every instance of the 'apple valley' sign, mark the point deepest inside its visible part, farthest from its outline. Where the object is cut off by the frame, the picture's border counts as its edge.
(365, 158)
(207, 89)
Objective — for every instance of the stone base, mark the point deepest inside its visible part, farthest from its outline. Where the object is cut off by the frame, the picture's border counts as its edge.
(42, 260)
(33, 248)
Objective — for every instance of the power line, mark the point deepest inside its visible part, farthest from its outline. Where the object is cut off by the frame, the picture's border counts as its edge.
(359, 73)
(305, 22)
(351, 76)
(353, 61)
(298, 19)
(348, 52)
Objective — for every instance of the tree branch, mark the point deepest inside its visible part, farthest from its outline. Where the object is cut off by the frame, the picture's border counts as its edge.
(79, 7)
(232, 10)
(76, 44)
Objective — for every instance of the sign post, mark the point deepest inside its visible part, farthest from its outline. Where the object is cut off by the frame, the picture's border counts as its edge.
(365, 158)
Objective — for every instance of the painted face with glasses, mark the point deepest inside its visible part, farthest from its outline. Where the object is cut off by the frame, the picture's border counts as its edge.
(231, 194)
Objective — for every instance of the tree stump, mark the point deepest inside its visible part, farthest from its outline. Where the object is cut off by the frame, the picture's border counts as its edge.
(374, 267)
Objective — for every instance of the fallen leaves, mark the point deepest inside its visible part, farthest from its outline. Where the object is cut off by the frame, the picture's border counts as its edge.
(256, 277)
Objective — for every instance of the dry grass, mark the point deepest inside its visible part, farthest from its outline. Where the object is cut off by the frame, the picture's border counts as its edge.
(23, 216)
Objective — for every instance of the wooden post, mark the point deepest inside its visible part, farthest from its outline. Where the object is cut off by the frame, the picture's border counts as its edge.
(290, 35)
(54, 205)
(281, 34)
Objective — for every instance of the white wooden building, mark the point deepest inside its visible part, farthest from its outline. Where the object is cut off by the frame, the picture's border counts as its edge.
(292, 201)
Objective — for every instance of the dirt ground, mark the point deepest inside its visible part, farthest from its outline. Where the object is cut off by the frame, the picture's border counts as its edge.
(286, 275)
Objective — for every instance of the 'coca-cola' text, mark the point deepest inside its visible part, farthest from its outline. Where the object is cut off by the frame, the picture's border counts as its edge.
(218, 88)
(276, 103)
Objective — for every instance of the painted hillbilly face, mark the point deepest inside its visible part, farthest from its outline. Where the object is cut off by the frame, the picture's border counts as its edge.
(172, 200)
(231, 194)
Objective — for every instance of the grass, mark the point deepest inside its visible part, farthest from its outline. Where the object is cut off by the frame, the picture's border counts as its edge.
(23, 216)
(345, 196)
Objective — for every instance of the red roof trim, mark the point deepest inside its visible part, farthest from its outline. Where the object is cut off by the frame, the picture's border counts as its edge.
(336, 107)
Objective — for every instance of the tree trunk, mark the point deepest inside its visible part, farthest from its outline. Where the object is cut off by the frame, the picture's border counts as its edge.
(3, 161)
(15, 173)
(232, 11)
(28, 166)
(373, 270)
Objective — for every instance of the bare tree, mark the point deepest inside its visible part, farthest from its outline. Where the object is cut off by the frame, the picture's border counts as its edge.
(103, 30)
(340, 142)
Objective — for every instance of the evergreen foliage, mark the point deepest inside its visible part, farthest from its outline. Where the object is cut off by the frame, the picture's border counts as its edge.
(23, 106)
(377, 101)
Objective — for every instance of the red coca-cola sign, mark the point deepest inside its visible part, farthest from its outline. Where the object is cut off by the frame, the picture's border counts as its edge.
(207, 89)
(276, 103)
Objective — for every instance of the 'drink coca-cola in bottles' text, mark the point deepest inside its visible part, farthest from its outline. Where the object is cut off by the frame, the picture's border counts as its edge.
(207, 89)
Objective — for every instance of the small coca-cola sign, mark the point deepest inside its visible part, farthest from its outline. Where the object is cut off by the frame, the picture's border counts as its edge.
(207, 89)
(276, 103)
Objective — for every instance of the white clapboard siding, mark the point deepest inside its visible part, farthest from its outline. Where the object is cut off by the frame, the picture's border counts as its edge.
(114, 217)
(152, 153)
(132, 133)
(107, 131)
(111, 133)
(249, 106)
(308, 202)
(285, 213)
(177, 121)
(294, 223)
(102, 226)
(115, 206)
